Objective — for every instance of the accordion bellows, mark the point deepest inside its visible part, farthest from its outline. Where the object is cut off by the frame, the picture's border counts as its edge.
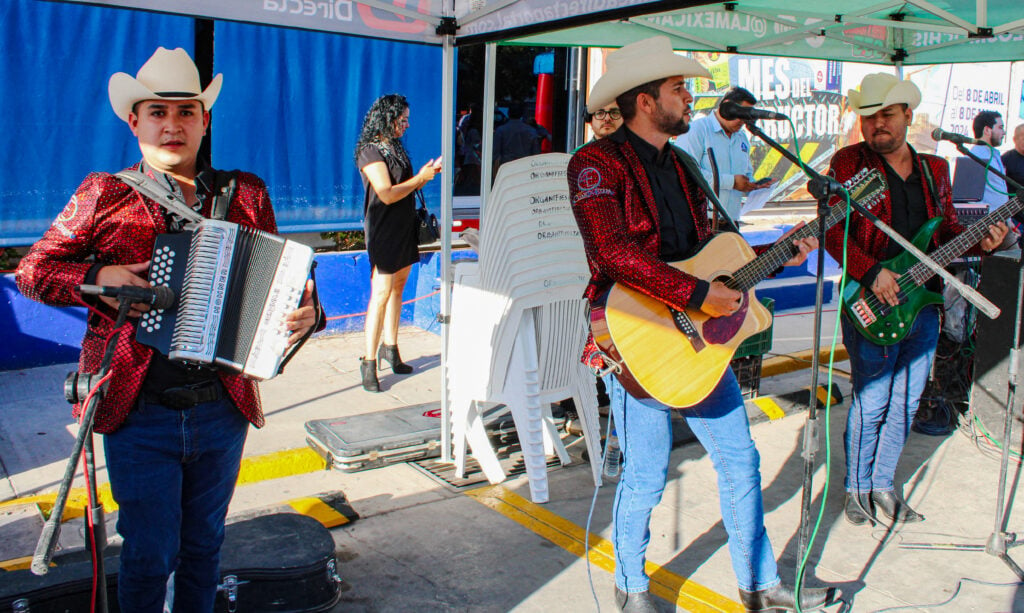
(234, 286)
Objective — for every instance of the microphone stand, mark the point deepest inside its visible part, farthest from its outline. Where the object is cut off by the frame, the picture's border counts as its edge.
(97, 533)
(999, 541)
(822, 188)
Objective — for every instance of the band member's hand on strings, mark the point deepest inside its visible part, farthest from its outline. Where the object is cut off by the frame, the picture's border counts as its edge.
(721, 301)
(127, 274)
(995, 237)
(303, 318)
(886, 287)
(805, 245)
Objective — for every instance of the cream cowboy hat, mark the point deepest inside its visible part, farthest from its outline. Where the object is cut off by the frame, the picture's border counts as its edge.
(879, 90)
(168, 75)
(638, 63)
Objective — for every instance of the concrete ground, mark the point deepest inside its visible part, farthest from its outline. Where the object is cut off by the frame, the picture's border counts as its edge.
(420, 544)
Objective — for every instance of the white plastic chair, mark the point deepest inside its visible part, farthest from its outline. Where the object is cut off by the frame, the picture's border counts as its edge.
(519, 324)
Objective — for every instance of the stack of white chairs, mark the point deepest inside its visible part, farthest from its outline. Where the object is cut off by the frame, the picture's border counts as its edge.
(519, 323)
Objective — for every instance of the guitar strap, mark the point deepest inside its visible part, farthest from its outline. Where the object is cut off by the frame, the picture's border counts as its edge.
(927, 172)
(690, 166)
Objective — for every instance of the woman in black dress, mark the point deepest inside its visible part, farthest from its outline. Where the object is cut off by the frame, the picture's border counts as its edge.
(391, 227)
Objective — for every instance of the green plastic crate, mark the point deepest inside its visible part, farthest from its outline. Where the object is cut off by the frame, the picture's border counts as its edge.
(761, 342)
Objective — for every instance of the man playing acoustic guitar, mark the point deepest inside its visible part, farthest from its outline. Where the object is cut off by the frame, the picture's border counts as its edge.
(890, 364)
(641, 203)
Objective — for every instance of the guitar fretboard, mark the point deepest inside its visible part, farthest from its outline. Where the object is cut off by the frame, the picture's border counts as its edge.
(919, 273)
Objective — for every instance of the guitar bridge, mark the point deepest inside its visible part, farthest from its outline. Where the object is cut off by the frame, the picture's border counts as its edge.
(864, 314)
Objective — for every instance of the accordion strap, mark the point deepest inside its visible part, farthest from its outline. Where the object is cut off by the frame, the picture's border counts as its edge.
(150, 188)
(316, 325)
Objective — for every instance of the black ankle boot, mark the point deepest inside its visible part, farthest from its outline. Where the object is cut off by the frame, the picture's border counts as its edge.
(390, 353)
(635, 602)
(782, 598)
(368, 368)
(858, 509)
(892, 505)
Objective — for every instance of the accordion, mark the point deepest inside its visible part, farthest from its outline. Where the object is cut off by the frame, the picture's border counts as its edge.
(234, 286)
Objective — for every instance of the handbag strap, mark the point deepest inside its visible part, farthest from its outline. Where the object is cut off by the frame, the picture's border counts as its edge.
(421, 199)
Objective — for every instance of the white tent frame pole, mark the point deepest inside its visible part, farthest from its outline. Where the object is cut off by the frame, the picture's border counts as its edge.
(448, 158)
(643, 23)
(981, 13)
(487, 148)
(943, 14)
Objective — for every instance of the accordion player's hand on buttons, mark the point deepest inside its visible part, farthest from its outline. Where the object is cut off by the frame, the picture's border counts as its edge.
(303, 318)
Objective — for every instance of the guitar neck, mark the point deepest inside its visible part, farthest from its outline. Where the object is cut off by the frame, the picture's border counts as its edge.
(950, 251)
(761, 267)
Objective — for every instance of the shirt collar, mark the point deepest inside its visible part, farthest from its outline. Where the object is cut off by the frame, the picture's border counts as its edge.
(647, 152)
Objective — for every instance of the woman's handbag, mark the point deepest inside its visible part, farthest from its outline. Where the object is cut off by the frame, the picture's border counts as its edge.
(429, 231)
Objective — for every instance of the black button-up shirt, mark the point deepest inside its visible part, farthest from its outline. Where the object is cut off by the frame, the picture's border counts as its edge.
(909, 210)
(678, 232)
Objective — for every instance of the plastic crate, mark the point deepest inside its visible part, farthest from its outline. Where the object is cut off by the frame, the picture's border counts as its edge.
(761, 342)
(748, 374)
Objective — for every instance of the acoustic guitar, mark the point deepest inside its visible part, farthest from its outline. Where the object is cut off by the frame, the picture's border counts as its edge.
(678, 357)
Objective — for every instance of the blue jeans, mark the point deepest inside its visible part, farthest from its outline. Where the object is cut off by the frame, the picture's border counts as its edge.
(887, 385)
(172, 474)
(645, 435)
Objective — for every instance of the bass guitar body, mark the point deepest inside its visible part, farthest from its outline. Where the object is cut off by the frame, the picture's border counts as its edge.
(678, 357)
(883, 324)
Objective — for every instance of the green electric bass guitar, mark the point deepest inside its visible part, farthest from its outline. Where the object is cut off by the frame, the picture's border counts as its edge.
(887, 325)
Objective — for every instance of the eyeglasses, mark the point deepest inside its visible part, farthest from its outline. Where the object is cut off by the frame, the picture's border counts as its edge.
(603, 114)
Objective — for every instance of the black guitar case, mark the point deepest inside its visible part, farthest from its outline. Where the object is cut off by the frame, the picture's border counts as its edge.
(272, 563)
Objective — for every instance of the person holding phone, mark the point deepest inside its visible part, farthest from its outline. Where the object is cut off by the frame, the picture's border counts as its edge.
(722, 150)
(390, 223)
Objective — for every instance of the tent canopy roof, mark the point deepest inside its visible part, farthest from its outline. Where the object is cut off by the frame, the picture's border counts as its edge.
(887, 32)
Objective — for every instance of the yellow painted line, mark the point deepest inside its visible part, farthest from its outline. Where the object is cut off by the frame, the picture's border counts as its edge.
(798, 361)
(319, 510)
(769, 407)
(253, 469)
(665, 584)
(16, 564)
(279, 464)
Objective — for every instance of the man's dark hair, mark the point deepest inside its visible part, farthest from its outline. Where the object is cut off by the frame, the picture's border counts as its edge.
(738, 95)
(515, 110)
(985, 119)
(627, 100)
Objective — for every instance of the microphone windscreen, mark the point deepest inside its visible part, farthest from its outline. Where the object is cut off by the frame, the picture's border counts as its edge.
(164, 297)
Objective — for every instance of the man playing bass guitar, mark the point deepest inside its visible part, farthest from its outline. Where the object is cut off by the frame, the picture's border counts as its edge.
(889, 370)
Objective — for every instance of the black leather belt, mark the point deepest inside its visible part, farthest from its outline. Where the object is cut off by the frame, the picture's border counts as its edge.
(188, 396)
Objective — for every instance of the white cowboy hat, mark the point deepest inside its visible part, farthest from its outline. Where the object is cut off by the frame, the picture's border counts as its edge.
(638, 63)
(167, 75)
(879, 90)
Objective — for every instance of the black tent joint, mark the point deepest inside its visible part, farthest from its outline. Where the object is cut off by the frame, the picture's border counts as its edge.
(447, 27)
(981, 33)
(730, 6)
(900, 55)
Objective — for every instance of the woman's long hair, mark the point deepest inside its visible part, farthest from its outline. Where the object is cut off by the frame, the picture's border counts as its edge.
(379, 125)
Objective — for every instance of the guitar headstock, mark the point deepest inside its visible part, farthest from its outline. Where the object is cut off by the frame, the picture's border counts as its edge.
(866, 187)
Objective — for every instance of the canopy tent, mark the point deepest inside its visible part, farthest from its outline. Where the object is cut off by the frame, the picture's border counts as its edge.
(886, 32)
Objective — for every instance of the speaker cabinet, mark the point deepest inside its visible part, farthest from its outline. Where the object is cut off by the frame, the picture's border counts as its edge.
(992, 353)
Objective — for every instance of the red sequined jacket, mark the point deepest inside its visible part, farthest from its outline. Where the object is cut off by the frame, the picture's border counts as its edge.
(107, 219)
(868, 244)
(618, 219)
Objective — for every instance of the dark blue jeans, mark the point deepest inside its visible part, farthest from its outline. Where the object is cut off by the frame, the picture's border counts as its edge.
(887, 385)
(172, 474)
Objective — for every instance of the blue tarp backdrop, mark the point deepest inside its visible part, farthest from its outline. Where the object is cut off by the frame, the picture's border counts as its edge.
(290, 110)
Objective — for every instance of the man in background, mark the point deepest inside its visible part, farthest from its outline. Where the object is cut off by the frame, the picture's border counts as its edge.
(1013, 160)
(515, 139)
(722, 150)
(604, 120)
(988, 127)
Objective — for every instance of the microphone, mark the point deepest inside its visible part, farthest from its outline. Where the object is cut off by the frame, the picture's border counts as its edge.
(731, 110)
(159, 296)
(953, 137)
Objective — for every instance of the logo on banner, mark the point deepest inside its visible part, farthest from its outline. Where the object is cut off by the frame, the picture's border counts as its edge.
(380, 19)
